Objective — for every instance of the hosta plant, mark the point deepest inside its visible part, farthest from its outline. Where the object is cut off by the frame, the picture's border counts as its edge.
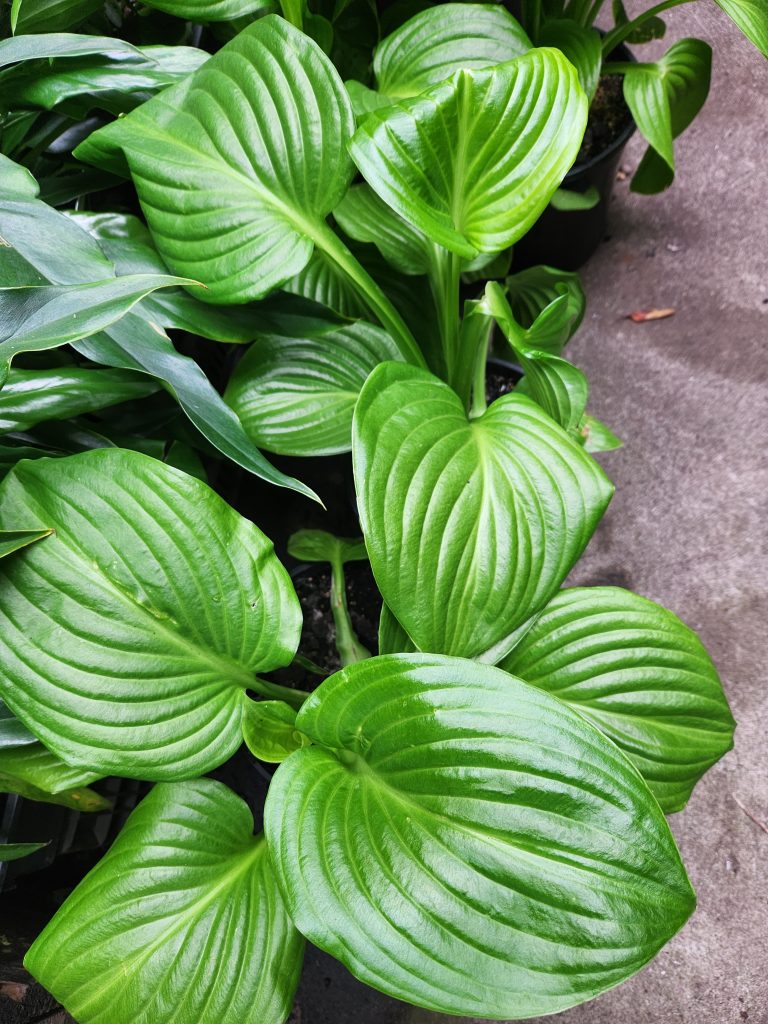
(472, 820)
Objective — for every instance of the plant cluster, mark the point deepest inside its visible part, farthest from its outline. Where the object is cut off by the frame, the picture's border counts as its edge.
(473, 819)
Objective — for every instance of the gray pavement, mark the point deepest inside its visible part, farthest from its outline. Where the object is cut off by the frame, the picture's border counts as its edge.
(688, 526)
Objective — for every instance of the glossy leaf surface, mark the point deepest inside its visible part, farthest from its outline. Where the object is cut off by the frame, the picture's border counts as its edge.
(34, 396)
(474, 161)
(180, 921)
(752, 18)
(634, 670)
(269, 730)
(467, 843)
(664, 98)
(295, 389)
(531, 292)
(470, 525)
(130, 644)
(15, 851)
(365, 217)
(431, 46)
(238, 190)
(582, 46)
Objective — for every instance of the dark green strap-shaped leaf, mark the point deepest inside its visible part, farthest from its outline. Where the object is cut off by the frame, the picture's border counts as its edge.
(470, 525)
(66, 44)
(582, 46)
(98, 81)
(469, 844)
(431, 46)
(130, 641)
(752, 18)
(34, 396)
(295, 391)
(58, 248)
(651, 28)
(473, 162)
(180, 921)
(664, 98)
(14, 540)
(47, 316)
(238, 190)
(636, 672)
(15, 851)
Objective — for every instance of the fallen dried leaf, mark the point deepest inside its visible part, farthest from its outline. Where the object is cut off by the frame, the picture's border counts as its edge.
(621, 176)
(749, 814)
(640, 316)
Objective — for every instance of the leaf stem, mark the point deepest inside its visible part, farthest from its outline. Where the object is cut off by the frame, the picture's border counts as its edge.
(622, 32)
(479, 404)
(347, 643)
(274, 691)
(369, 291)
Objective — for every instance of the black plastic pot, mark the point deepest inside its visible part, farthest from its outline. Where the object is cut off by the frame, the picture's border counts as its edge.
(567, 239)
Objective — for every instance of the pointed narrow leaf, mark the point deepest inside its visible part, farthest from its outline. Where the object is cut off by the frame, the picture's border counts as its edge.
(66, 44)
(241, 195)
(34, 396)
(15, 851)
(473, 162)
(210, 10)
(431, 46)
(469, 844)
(129, 643)
(14, 540)
(531, 292)
(651, 28)
(47, 316)
(470, 525)
(180, 921)
(636, 672)
(295, 392)
(752, 18)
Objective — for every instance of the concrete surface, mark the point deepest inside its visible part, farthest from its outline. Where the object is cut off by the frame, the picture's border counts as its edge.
(688, 526)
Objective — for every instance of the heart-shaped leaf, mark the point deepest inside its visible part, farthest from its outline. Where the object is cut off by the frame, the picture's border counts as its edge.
(752, 18)
(473, 162)
(470, 525)
(239, 191)
(467, 843)
(269, 730)
(34, 396)
(431, 46)
(636, 672)
(129, 642)
(180, 921)
(295, 389)
(664, 98)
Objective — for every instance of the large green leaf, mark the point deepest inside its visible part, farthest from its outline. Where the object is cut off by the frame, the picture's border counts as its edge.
(469, 844)
(34, 396)
(41, 317)
(295, 389)
(99, 81)
(752, 18)
(129, 645)
(239, 190)
(473, 162)
(581, 45)
(430, 47)
(181, 921)
(470, 525)
(636, 672)
(664, 98)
